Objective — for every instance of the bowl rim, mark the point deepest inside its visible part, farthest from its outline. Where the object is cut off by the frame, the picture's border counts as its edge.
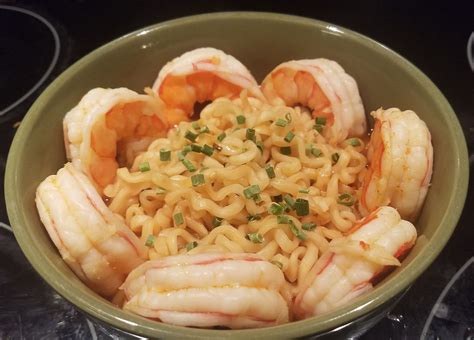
(106, 312)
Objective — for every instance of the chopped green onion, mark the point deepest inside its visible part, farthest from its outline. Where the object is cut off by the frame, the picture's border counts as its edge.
(251, 191)
(189, 165)
(289, 137)
(150, 241)
(178, 218)
(254, 217)
(216, 221)
(288, 117)
(182, 154)
(277, 198)
(270, 171)
(289, 200)
(160, 191)
(316, 152)
(304, 191)
(335, 157)
(320, 120)
(308, 148)
(240, 119)
(298, 233)
(308, 226)
(346, 199)
(196, 148)
(257, 198)
(277, 263)
(354, 142)
(221, 137)
(281, 122)
(260, 145)
(190, 136)
(197, 180)
(301, 207)
(276, 209)
(255, 237)
(195, 125)
(318, 128)
(204, 129)
(165, 155)
(250, 135)
(191, 245)
(144, 167)
(285, 150)
(283, 219)
(207, 150)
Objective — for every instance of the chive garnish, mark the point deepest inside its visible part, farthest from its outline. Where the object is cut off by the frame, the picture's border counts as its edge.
(304, 191)
(189, 165)
(308, 226)
(260, 145)
(251, 191)
(191, 245)
(281, 122)
(298, 233)
(196, 148)
(276, 209)
(335, 157)
(346, 199)
(283, 219)
(197, 180)
(320, 120)
(144, 167)
(285, 150)
(150, 241)
(270, 171)
(221, 137)
(289, 137)
(289, 200)
(165, 155)
(207, 150)
(178, 218)
(216, 221)
(190, 136)
(250, 135)
(301, 207)
(255, 237)
(240, 119)
(316, 152)
(204, 129)
(354, 142)
(195, 125)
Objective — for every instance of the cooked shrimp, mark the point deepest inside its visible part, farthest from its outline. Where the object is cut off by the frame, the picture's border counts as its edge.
(346, 270)
(201, 75)
(401, 163)
(206, 290)
(95, 243)
(325, 89)
(103, 124)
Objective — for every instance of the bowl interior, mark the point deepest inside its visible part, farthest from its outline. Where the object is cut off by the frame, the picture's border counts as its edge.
(261, 41)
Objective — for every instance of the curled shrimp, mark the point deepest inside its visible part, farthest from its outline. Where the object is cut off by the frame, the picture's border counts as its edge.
(201, 75)
(401, 163)
(105, 126)
(351, 263)
(95, 243)
(325, 89)
(206, 290)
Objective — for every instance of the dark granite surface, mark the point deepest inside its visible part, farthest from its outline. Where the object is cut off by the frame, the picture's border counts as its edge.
(440, 304)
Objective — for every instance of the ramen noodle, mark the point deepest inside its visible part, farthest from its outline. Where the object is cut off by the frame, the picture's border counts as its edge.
(246, 177)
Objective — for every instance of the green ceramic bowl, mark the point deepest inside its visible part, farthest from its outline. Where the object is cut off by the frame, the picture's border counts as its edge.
(260, 41)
